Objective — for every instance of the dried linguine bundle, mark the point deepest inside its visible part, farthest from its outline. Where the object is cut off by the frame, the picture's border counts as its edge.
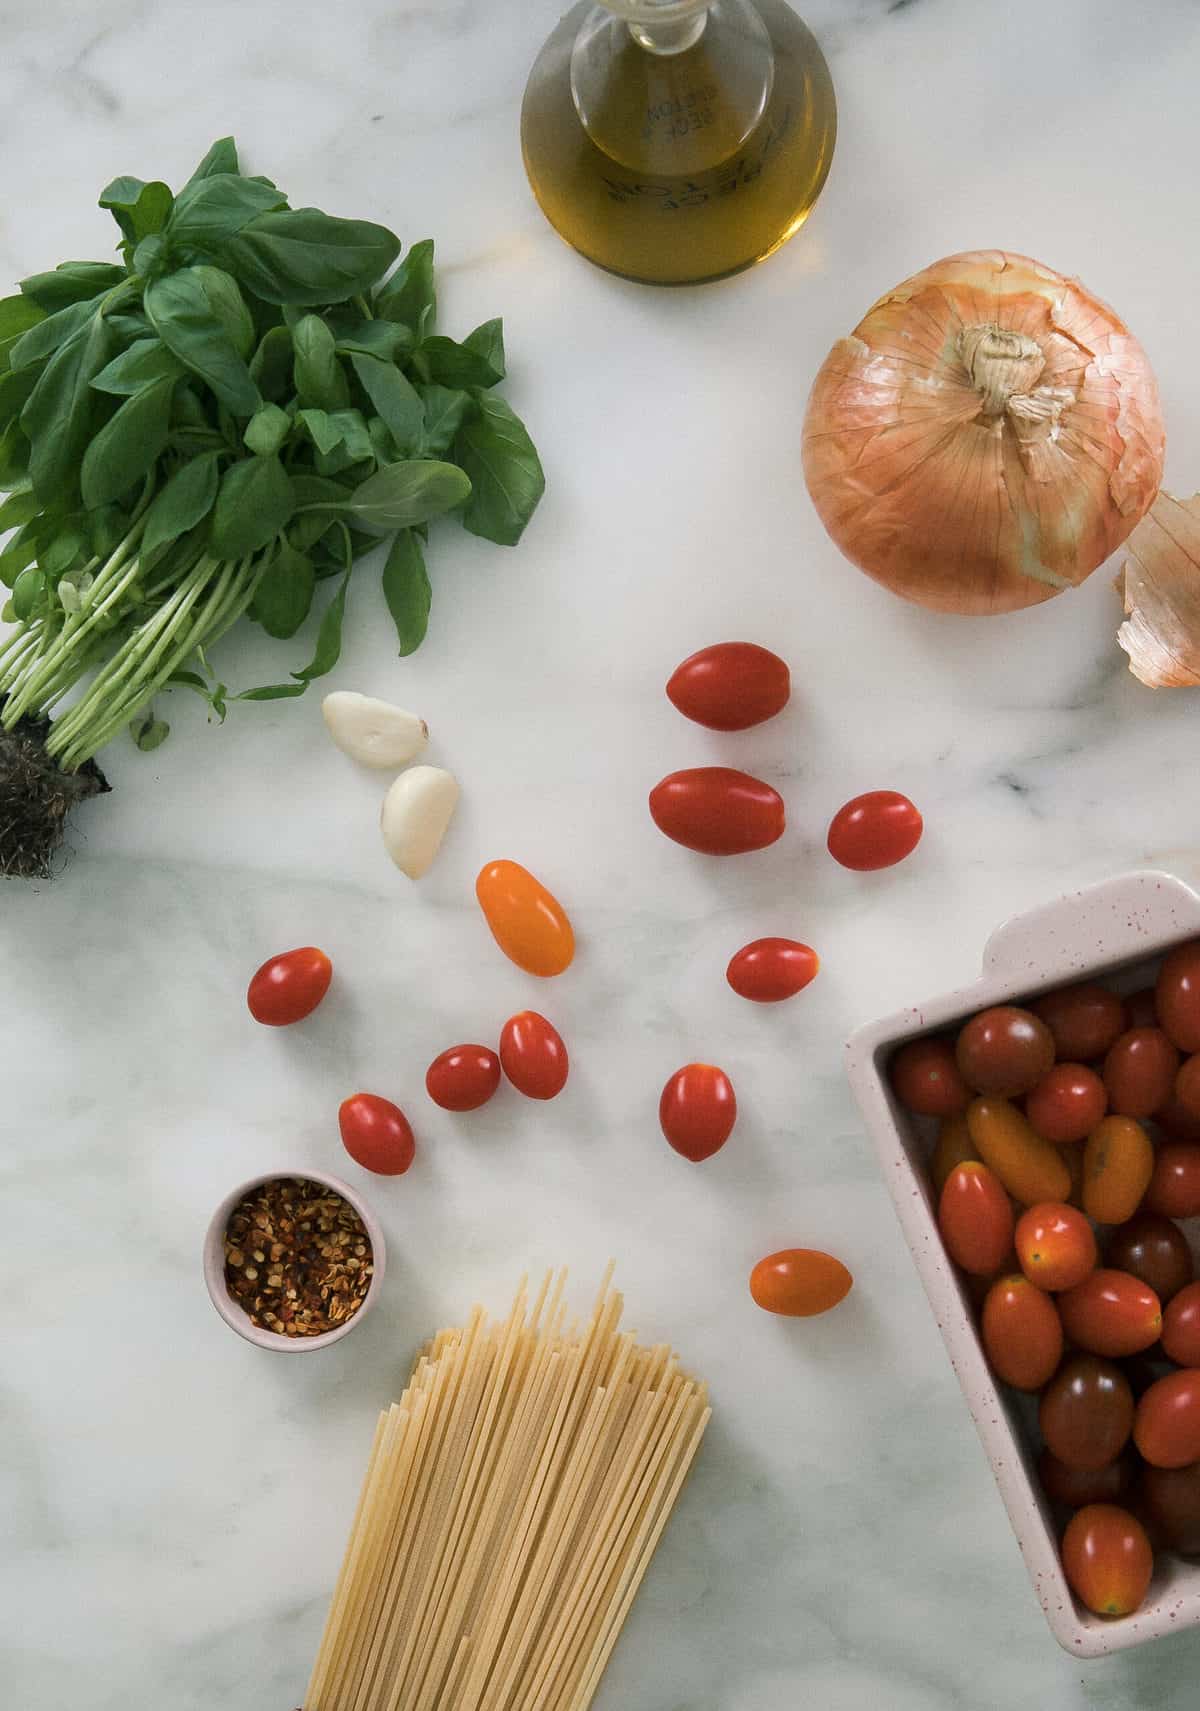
(514, 1497)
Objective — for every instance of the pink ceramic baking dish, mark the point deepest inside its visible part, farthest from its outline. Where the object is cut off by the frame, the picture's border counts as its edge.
(1117, 930)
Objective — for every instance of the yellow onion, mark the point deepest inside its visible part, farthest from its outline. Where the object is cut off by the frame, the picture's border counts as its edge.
(988, 434)
(1160, 582)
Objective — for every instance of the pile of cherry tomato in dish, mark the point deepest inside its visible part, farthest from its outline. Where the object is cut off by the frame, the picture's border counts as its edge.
(1067, 1152)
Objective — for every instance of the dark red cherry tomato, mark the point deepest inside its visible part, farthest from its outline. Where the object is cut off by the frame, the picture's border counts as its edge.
(1187, 1086)
(873, 831)
(718, 810)
(1139, 1072)
(1078, 1486)
(1171, 1496)
(1153, 1248)
(1181, 1327)
(1174, 1189)
(289, 987)
(1166, 1426)
(463, 1078)
(376, 1134)
(1177, 996)
(1141, 1011)
(1067, 1103)
(730, 686)
(1086, 1413)
(1179, 1124)
(1084, 1019)
(1107, 1559)
(926, 1079)
(698, 1110)
(1005, 1050)
(533, 1055)
(770, 970)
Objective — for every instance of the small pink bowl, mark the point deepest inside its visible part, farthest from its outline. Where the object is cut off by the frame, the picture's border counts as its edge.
(214, 1265)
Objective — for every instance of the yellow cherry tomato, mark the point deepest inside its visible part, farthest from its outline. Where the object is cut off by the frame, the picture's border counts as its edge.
(1118, 1162)
(529, 925)
(1030, 1168)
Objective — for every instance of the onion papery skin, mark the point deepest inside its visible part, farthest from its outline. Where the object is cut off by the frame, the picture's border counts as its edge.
(986, 437)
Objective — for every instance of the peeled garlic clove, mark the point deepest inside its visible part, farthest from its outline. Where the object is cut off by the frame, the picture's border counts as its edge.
(416, 811)
(373, 732)
(1160, 583)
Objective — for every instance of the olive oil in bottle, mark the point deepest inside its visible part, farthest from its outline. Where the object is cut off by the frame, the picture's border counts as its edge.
(677, 140)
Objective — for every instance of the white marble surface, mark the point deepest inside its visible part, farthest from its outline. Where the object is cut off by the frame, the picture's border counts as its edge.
(174, 1501)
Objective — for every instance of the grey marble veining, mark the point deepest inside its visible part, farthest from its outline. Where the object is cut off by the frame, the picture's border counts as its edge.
(174, 1502)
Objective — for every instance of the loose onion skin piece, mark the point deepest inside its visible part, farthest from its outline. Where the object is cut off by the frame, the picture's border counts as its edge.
(986, 437)
(1160, 585)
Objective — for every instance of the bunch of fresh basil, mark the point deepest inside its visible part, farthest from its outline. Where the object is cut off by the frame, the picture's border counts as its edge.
(235, 412)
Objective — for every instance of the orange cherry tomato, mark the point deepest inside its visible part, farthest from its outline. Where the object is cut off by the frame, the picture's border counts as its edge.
(1055, 1245)
(1181, 1327)
(1107, 1559)
(1175, 1185)
(376, 1134)
(730, 686)
(1111, 1313)
(769, 970)
(698, 1110)
(954, 1146)
(875, 830)
(1078, 1486)
(1156, 1250)
(976, 1220)
(533, 1055)
(1177, 996)
(1084, 1019)
(1118, 1162)
(529, 925)
(1187, 1085)
(289, 987)
(1005, 1051)
(1030, 1168)
(799, 1282)
(925, 1078)
(1067, 1103)
(1139, 1072)
(1022, 1332)
(463, 1078)
(1166, 1426)
(718, 810)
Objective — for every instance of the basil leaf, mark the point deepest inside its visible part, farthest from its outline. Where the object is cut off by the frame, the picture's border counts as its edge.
(48, 335)
(254, 503)
(27, 591)
(146, 361)
(271, 364)
(128, 445)
(273, 692)
(409, 295)
(19, 508)
(72, 282)
(284, 594)
(227, 303)
(19, 552)
(185, 501)
(506, 474)
(215, 207)
(445, 409)
(329, 637)
(267, 429)
(14, 390)
(478, 361)
(406, 590)
(107, 528)
(179, 311)
(339, 429)
(406, 493)
(221, 157)
(61, 408)
(320, 379)
(301, 256)
(141, 210)
(148, 732)
(395, 398)
(384, 339)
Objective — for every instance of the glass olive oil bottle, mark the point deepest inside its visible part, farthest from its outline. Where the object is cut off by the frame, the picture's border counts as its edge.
(677, 140)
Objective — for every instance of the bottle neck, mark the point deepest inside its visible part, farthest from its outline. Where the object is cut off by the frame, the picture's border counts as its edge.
(662, 26)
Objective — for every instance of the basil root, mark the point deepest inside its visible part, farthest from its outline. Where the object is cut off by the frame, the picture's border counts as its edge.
(237, 412)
